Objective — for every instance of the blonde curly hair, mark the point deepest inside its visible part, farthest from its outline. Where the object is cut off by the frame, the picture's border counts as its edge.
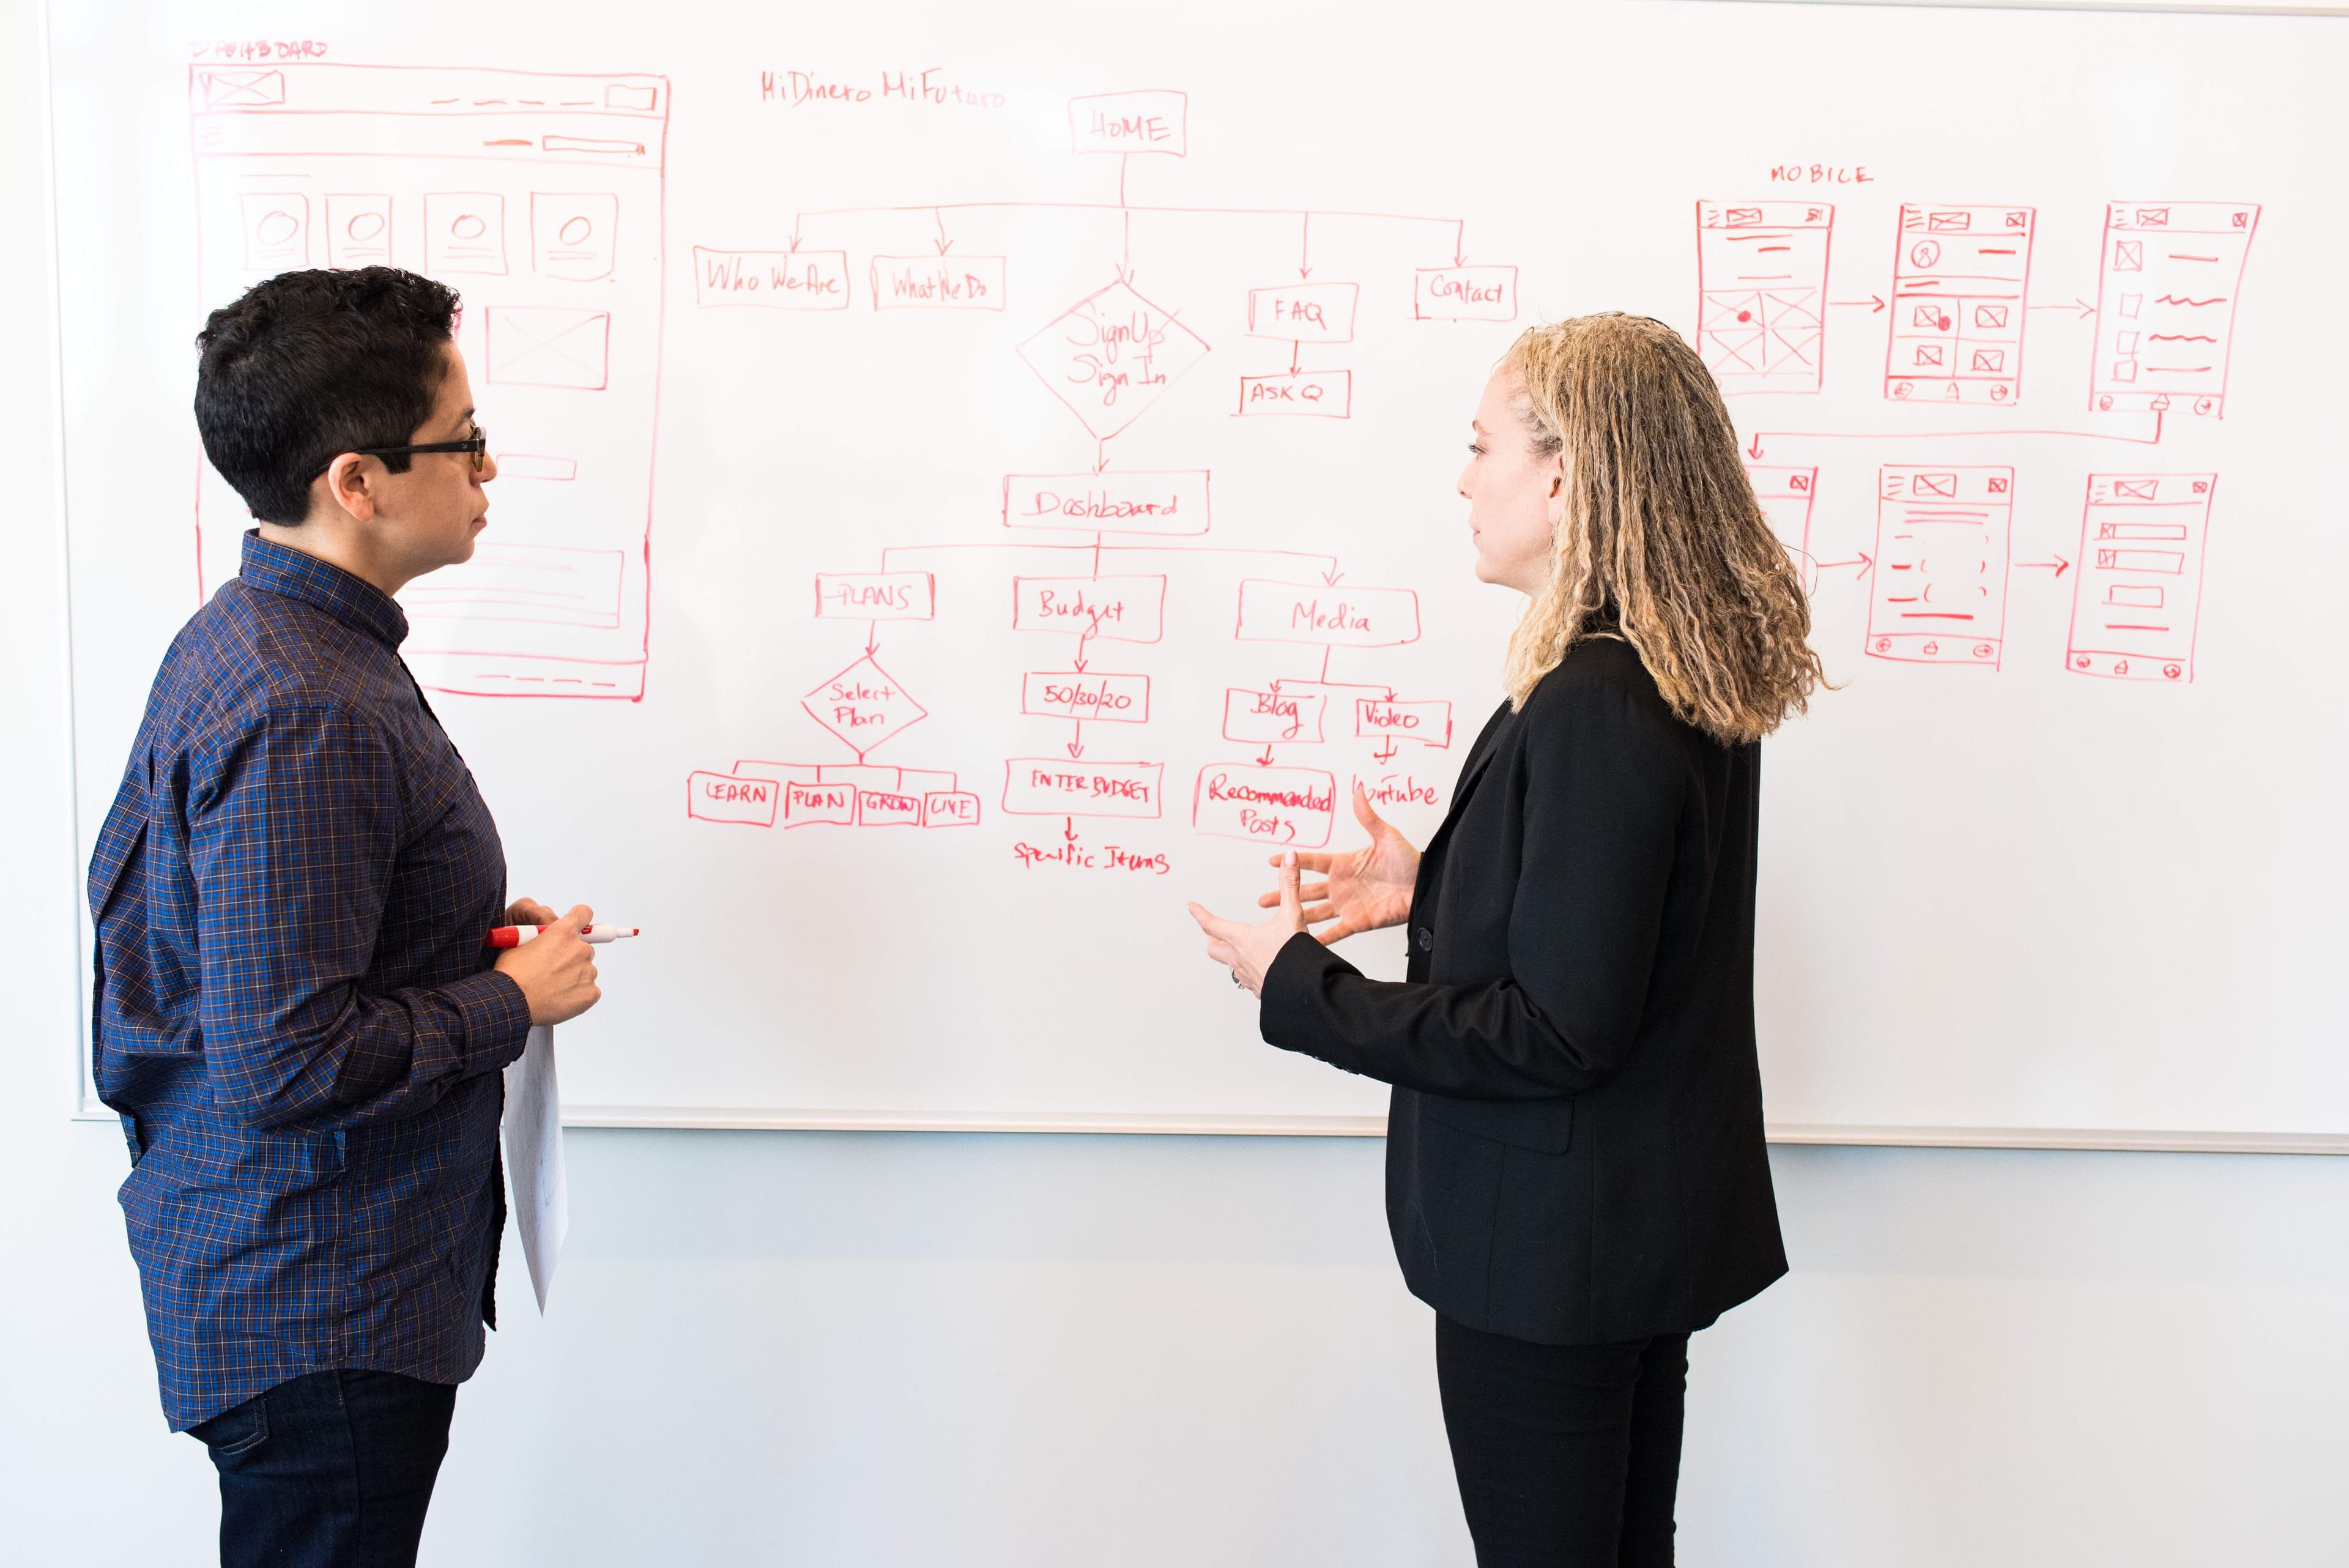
(1662, 542)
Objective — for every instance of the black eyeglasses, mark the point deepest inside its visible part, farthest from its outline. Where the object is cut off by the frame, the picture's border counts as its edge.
(478, 445)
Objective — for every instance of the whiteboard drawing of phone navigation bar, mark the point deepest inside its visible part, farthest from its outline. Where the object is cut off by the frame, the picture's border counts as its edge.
(2140, 589)
(1957, 283)
(1762, 292)
(538, 198)
(2166, 295)
(1938, 595)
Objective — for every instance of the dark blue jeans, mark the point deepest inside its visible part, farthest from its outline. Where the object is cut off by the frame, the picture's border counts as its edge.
(333, 1469)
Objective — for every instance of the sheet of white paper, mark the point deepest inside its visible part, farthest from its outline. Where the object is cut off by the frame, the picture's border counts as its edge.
(534, 1130)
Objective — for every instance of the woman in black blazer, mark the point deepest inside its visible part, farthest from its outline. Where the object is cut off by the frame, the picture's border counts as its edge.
(1576, 1173)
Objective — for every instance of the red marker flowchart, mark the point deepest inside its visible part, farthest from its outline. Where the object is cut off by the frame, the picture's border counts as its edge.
(1090, 560)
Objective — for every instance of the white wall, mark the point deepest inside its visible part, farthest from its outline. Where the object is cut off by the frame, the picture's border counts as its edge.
(892, 1349)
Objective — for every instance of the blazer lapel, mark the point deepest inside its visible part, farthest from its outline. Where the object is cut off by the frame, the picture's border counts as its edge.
(1487, 744)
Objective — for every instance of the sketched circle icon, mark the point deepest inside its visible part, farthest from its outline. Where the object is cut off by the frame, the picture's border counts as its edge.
(275, 229)
(575, 229)
(470, 226)
(1902, 388)
(1883, 645)
(365, 226)
(2104, 404)
(2172, 670)
(1925, 253)
(2081, 663)
(1998, 393)
(1932, 650)
(2204, 405)
(1983, 650)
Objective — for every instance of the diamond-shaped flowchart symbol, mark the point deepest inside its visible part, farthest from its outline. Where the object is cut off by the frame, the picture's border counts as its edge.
(1110, 356)
(863, 705)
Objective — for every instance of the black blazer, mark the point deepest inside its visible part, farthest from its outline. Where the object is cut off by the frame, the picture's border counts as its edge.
(1575, 1151)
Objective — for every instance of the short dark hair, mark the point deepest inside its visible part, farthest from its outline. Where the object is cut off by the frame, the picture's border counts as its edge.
(310, 365)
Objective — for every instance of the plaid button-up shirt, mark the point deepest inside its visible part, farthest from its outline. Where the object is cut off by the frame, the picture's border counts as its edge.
(293, 1013)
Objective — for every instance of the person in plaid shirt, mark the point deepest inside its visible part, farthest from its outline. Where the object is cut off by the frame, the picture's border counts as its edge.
(295, 1013)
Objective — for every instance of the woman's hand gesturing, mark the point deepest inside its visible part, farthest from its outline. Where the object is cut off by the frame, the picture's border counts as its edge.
(1367, 888)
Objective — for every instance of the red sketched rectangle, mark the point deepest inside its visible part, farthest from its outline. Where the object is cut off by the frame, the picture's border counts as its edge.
(1265, 804)
(1171, 500)
(949, 281)
(1076, 694)
(888, 808)
(875, 596)
(1342, 617)
(1265, 716)
(1152, 121)
(1465, 294)
(1311, 394)
(1304, 312)
(1121, 609)
(2135, 607)
(949, 809)
(722, 798)
(805, 803)
(1937, 592)
(540, 345)
(1427, 723)
(770, 280)
(1056, 786)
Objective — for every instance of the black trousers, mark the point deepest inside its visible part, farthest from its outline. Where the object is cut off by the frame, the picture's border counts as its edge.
(332, 1470)
(1569, 1456)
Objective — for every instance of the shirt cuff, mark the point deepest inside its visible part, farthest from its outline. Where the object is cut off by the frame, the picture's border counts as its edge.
(495, 1019)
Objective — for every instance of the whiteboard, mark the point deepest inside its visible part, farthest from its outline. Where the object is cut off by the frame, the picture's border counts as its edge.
(974, 482)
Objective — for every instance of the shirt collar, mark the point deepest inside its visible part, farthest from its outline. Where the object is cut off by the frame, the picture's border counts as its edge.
(298, 575)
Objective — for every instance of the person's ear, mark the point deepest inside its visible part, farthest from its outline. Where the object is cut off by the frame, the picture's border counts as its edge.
(1558, 482)
(350, 485)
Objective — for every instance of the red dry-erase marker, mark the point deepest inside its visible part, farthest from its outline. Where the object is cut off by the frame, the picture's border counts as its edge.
(514, 935)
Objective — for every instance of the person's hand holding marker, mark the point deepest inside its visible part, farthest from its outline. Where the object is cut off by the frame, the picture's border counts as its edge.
(556, 966)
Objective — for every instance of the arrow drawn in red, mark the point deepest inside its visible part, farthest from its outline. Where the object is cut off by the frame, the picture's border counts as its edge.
(1875, 303)
(1391, 752)
(944, 243)
(2060, 565)
(872, 639)
(2084, 309)
(1305, 249)
(1266, 760)
(1459, 240)
(1068, 828)
(1863, 561)
(1077, 747)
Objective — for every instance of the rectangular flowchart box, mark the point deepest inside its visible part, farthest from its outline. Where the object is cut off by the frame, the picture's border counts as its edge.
(948, 282)
(875, 596)
(1304, 312)
(1077, 694)
(1430, 723)
(1056, 786)
(1268, 717)
(769, 280)
(1465, 294)
(1169, 502)
(1122, 609)
(1343, 616)
(1304, 394)
(1283, 806)
(721, 797)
